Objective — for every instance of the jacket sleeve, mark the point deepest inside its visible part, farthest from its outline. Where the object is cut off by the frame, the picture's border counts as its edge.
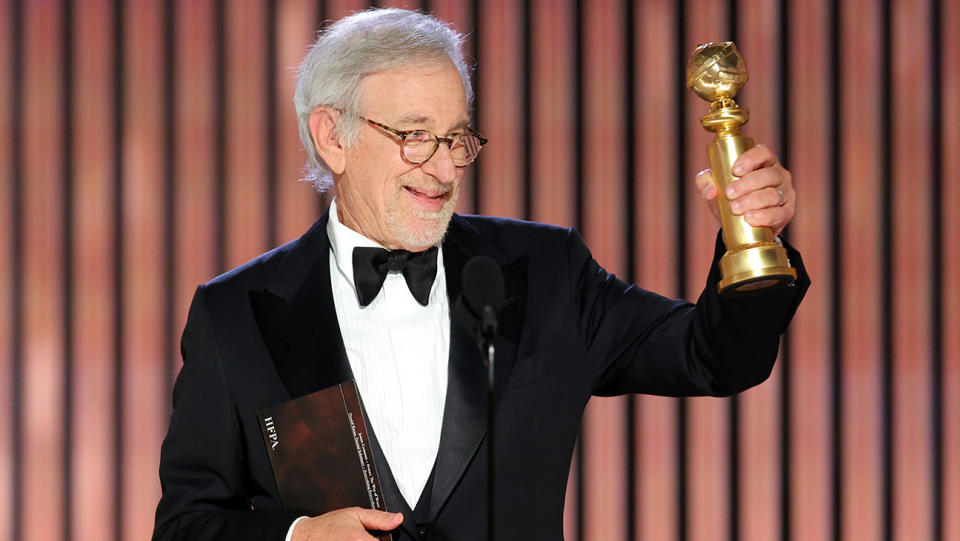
(202, 462)
(640, 342)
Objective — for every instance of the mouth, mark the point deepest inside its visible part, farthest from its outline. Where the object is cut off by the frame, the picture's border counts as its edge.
(430, 199)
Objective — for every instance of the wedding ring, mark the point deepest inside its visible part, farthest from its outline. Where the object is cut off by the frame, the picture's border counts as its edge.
(782, 200)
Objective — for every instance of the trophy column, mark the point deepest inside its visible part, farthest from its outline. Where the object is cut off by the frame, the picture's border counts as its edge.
(754, 261)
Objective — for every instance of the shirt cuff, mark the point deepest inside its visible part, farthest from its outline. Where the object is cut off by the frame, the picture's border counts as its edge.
(290, 531)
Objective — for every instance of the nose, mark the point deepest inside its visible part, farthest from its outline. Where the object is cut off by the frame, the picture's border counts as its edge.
(440, 165)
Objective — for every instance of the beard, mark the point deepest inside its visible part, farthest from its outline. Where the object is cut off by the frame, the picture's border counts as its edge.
(416, 228)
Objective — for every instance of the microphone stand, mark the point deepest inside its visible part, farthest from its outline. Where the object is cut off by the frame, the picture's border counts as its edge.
(488, 330)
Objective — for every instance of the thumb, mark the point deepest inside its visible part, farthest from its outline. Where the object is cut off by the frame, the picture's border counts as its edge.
(379, 520)
(705, 185)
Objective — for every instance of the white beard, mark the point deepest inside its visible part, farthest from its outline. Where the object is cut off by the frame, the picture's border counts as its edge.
(420, 230)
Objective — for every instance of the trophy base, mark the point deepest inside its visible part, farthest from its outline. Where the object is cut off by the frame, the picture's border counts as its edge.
(752, 269)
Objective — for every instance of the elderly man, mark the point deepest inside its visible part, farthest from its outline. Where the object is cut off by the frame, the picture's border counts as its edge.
(383, 100)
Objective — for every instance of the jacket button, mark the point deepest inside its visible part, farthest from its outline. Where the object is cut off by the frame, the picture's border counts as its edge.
(422, 531)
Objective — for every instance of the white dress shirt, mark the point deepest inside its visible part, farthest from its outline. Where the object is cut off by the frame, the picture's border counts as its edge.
(398, 351)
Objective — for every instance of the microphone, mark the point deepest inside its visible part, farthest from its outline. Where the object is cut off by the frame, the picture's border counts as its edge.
(482, 296)
(477, 309)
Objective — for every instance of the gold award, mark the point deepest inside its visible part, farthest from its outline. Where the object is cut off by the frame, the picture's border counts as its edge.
(754, 261)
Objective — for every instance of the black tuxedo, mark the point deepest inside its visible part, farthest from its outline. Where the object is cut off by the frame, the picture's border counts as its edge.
(267, 332)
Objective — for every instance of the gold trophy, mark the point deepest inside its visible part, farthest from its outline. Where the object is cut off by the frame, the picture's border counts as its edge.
(754, 261)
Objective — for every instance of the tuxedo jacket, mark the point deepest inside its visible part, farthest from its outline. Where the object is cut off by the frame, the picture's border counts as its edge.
(267, 332)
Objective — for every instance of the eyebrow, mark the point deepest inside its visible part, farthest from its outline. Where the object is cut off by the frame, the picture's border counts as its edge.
(420, 119)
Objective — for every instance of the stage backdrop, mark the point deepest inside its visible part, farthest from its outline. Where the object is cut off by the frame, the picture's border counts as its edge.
(147, 146)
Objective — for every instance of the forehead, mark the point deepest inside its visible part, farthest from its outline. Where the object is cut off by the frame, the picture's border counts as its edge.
(430, 95)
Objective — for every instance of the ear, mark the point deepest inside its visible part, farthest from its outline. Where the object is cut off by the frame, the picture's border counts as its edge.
(323, 120)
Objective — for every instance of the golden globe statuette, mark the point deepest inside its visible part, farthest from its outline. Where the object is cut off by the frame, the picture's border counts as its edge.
(754, 261)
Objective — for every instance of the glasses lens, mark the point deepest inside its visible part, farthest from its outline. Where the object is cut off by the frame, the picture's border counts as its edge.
(418, 146)
(464, 149)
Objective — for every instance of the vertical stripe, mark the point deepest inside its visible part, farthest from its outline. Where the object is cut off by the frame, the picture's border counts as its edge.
(805, 499)
(785, 98)
(630, 242)
(270, 119)
(245, 188)
(911, 468)
(936, 269)
(733, 402)
(950, 295)
(680, 229)
(600, 143)
(578, 221)
(143, 223)
(502, 85)
(170, 260)
(42, 296)
(884, 112)
(220, 135)
(118, 265)
(527, 120)
(580, 10)
(553, 121)
(837, 316)
(656, 147)
(93, 379)
(16, 258)
(322, 15)
(67, 269)
(475, 41)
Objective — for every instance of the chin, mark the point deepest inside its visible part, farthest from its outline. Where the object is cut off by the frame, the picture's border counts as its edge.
(419, 232)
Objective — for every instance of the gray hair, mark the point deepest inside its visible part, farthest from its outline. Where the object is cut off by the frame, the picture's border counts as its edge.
(360, 44)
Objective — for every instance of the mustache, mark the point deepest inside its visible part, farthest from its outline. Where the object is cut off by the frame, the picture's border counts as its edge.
(425, 186)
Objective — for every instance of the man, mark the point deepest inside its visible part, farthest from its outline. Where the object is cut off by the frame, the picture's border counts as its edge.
(383, 100)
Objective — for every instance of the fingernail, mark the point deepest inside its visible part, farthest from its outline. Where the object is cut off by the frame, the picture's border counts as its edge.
(735, 206)
(738, 170)
(730, 192)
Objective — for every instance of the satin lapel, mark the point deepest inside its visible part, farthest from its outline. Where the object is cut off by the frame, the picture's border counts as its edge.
(298, 320)
(464, 415)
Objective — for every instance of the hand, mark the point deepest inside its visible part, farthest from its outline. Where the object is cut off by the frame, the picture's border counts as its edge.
(350, 524)
(757, 195)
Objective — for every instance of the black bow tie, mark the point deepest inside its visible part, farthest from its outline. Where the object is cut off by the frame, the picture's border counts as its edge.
(371, 265)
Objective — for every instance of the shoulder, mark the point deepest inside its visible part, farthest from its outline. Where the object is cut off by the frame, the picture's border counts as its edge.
(281, 264)
(517, 237)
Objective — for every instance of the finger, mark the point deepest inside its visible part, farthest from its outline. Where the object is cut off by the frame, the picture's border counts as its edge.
(379, 520)
(768, 177)
(760, 199)
(756, 158)
(776, 218)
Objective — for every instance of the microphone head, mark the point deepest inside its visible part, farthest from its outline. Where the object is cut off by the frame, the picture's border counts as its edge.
(483, 293)
(482, 284)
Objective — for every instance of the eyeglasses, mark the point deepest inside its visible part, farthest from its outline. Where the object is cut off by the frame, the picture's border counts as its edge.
(418, 146)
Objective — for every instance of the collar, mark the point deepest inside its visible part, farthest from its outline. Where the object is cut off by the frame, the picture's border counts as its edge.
(343, 240)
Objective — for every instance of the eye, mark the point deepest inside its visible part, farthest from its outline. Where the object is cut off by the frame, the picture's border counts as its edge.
(421, 136)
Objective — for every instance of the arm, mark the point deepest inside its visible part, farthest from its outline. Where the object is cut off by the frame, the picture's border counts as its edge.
(201, 460)
(640, 342)
(203, 465)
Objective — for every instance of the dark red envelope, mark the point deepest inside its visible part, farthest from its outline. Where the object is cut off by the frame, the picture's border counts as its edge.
(320, 452)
